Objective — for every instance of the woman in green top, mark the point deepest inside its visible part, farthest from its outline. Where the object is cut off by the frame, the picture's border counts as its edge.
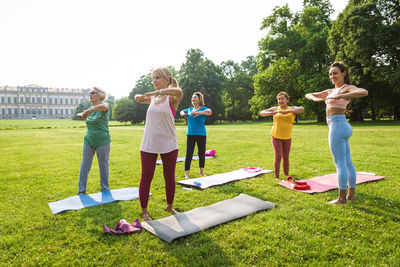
(97, 140)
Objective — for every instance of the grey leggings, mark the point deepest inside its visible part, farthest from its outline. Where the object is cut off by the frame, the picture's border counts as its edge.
(103, 154)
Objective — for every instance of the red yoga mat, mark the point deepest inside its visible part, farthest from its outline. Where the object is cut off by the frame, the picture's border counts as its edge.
(330, 182)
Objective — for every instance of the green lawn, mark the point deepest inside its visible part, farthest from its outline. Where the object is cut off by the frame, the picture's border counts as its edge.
(40, 162)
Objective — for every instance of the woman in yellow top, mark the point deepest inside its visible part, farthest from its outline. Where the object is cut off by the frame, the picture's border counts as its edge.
(281, 133)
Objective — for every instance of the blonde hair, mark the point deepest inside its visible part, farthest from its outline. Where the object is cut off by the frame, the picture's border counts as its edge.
(165, 73)
(201, 98)
(284, 94)
(101, 92)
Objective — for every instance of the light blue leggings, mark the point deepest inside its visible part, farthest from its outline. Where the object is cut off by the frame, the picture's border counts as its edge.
(339, 133)
(103, 154)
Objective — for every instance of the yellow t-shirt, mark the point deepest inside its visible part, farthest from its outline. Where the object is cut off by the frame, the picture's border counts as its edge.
(283, 125)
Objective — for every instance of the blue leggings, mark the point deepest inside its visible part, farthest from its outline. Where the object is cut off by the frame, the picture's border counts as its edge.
(339, 134)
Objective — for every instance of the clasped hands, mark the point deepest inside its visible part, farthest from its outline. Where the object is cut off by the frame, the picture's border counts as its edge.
(153, 93)
(84, 114)
(321, 99)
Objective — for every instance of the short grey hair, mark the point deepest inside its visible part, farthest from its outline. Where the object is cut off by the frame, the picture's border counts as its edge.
(101, 92)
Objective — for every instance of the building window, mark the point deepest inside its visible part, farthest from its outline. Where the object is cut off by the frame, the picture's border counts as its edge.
(39, 111)
(38, 100)
(33, 111)
(44, 100)
(76, 100)
(81, 100)
(56, 111)
(21, 99)
(33, 99)
(66, 111)
(9, 99)
(51, 100)
(3, 111)
(72, 111)
(15, 111)
(22, 111)
(61, 111)
(51, 111)
(61, 100)
(15, 99)
(71, 101)
(55, 101)
(9, 111)
(2, 99)
(66, 101)
(45, 111)
(27, 100)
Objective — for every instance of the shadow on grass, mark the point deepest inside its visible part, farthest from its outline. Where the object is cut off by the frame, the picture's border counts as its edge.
(93, 218)
(378, 206)
(198, 249)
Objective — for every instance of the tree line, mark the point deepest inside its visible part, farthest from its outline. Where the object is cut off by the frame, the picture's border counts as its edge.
(295, 56)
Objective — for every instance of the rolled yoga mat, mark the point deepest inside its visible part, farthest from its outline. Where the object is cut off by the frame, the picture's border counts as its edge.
(84, 201)
(223, 178)
(329, 182)
(193, 221)
(159, 162)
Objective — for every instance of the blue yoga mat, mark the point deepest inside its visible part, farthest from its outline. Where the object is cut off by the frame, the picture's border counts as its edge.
(83, 201)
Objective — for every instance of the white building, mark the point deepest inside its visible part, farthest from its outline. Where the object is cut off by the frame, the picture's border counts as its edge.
(33, 101)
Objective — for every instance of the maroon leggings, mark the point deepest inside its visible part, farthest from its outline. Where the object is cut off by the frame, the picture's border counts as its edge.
(148, 168)
(282, 150)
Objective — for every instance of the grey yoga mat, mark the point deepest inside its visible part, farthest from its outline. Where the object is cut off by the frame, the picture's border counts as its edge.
(193, 221)
(84, 201)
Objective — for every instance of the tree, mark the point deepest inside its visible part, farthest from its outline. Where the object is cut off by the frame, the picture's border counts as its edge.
(125, 110)
(143, 85)
(110, 101)
(238, 88)
(201, 74)
(294, 57)
(366, 37)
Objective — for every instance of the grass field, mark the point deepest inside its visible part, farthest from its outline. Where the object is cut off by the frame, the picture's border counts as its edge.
(40, 163)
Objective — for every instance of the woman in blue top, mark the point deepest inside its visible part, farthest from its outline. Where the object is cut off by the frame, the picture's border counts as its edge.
(97, 140)
(196, 132)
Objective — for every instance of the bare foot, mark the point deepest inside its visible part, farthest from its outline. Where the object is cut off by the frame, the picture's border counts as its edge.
(187, 175)
(277, 178)
(350, 195)
(338, 201)
(203, 174)
(171, 209)
(146, 216)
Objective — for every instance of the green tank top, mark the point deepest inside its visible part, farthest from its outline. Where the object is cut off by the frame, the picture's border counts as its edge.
(97, 129)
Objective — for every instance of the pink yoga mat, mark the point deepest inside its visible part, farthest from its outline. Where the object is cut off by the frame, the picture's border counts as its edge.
(329, 182)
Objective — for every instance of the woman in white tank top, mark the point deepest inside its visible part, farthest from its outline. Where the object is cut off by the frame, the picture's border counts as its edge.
(159, 135)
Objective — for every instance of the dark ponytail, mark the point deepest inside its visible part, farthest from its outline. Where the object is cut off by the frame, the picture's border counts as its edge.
(343, 68)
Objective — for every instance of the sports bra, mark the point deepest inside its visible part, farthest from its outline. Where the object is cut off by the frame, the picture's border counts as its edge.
(337, 103)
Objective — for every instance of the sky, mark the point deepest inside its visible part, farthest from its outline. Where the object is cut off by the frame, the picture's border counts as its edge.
(111, 44)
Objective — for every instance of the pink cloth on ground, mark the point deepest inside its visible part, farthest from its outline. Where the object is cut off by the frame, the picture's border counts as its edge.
(123, 227)
(210, 153)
